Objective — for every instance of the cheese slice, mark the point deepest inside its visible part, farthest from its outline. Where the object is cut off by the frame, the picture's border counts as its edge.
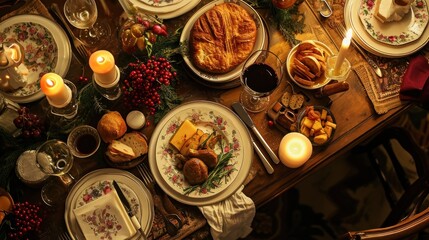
(186, 130)
(389, 11)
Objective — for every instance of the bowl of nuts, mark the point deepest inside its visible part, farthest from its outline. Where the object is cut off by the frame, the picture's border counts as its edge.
(306, 64)
(317, 123)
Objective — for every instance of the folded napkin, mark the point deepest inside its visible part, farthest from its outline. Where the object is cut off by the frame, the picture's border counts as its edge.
(415, 83)
(231, 218)
(105, 218)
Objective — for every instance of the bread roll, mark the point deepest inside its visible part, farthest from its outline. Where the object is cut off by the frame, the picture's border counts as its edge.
(111, 126)
(222, 38)
(195, 171)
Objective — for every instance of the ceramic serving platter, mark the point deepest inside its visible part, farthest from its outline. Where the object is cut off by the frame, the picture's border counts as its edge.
(235, 73)
(408, 29)
(94, 184)
(207, 116)
(47, 49)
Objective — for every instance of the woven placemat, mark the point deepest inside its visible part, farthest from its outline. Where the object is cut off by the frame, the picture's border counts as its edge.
(30, 7)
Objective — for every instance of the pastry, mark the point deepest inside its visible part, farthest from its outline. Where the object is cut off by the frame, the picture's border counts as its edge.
(391, 10)
(222, 38)
(111, 126)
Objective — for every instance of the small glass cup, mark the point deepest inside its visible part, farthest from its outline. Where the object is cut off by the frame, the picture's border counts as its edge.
(83, 141)
(342, 74)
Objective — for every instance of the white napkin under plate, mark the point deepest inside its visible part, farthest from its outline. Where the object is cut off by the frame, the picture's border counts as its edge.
(231, 218)
(105, 218)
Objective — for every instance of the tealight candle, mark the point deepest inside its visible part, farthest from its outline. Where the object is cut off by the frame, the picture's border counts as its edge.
(57, 93)
(103, 65)
(295, 149)
(343, 51)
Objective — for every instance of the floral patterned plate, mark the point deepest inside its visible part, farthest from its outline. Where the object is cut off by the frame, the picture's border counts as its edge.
(162, 3)
(99, 183)
(409, 29)
(352, 20)
(47, 49)
(161, 6)
(207, 116)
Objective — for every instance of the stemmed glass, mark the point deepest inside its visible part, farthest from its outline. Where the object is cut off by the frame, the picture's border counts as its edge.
(83, 14)
(55, 158)
(261, 75)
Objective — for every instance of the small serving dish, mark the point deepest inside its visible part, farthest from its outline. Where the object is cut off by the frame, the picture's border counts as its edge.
(83, 141)
(311, 50)
(317, 123)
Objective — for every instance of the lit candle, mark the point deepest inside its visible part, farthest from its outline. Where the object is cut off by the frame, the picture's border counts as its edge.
(57, 93)
(295, 149)
(103, 65)
(343, 51)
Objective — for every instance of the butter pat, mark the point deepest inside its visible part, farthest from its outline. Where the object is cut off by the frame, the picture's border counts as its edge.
(136, 120)
(185, 132)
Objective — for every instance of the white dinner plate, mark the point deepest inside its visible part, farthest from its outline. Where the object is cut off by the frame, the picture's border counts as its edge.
(206, 116)
(162, 3)
(407, 30)
(33, 32)
(352, 20)
(235, 73)
(91, 186)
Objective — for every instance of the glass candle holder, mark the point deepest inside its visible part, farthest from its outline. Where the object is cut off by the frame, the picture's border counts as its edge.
(69, 110)
(111, 91)
(340, 74)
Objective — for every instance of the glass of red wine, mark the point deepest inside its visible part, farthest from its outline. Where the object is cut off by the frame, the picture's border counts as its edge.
(261, 75)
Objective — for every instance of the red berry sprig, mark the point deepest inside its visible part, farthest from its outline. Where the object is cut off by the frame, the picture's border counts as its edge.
(142, 86)
(30, 124)
(25, 221)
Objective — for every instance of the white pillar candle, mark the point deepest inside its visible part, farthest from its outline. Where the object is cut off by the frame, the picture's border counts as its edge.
(57, 93)
(343, 51)
(103, 65)
(295, 149)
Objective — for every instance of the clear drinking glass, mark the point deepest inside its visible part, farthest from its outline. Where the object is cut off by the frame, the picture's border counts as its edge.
(54, 158)
(83, 14)
(261, 75)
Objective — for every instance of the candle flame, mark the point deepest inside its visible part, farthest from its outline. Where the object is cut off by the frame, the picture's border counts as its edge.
(50, 82)
(349, 33)
(100, 59)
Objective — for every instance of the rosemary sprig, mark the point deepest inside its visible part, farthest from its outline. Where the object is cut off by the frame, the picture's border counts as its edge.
(221, 171)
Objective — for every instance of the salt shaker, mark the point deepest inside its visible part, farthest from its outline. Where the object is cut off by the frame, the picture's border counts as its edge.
(8, 113)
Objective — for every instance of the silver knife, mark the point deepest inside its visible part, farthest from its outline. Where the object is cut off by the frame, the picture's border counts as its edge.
(127, 207)
(371, 62)
(264, 160)
(239, 109)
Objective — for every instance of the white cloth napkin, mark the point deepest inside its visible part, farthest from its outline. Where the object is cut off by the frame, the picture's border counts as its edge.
(105, 218)
(231, 218)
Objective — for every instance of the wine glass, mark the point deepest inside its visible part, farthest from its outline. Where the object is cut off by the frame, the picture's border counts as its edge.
(83, 14)
(260, 76)
(55, 158)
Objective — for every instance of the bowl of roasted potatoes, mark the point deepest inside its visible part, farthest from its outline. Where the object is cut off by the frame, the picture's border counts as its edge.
(306, 64)
(317, 123)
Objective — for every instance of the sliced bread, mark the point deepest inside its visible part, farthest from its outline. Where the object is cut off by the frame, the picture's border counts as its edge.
(136, 141)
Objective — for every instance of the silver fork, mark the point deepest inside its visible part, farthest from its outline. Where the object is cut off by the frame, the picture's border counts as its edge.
(168, 218)
(79, 45)
(65, 236)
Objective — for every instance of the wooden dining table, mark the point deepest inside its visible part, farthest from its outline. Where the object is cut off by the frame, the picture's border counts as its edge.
(354, 111)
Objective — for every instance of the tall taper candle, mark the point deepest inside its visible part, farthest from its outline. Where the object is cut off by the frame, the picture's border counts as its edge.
(343, 51)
